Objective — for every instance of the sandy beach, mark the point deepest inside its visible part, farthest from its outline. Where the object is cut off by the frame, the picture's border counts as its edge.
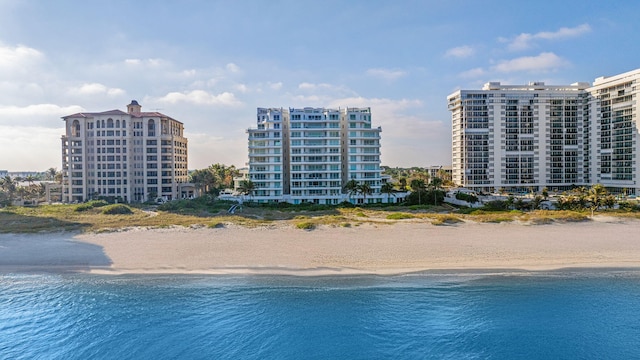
(368, 249)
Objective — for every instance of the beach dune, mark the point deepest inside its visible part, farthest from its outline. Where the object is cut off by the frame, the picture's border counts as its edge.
(367, 249)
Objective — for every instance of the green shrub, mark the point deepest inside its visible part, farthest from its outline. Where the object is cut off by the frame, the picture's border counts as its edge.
(97, 203)
(496, 205)
(470, 198)
(83, 207)
(346, 204)
(117, 209)
(425, 197)
(90, 205)
(399, 216)
(629, 206)
(170, 206)
(467, 210)
(306, 225)
(419, 207)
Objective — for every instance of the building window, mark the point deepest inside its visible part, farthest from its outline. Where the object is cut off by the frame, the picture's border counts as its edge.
(151, 128)
(75, 128)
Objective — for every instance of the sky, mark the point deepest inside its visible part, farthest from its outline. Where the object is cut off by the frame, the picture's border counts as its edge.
(210, 64)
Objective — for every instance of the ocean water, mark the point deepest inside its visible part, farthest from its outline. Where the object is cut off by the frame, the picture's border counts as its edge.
(564, 315)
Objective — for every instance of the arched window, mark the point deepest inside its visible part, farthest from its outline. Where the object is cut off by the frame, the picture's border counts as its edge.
(124, 123)
(75, 128)
(117, 123)
(110, 123)
(151, 128)
(103, 124)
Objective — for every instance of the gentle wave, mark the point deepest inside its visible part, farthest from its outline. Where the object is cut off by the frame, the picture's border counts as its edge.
(586, 315)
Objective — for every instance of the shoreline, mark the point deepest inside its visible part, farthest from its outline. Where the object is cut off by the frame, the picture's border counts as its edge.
(402, 248)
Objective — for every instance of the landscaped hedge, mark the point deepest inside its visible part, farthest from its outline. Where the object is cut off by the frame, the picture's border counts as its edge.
(470, 198)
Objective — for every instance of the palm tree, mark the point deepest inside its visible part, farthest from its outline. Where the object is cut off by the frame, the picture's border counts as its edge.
(365, 190)
(389, 189)
(39, 191)
(58, 177)
(402, 184)
(436, 183)
(51, 174)
(444, 175)
(22, 191)
(30, 179)
(351, 187)
(582, 197)
(9, 186)
(596, 197)
(152, 196)
(198, 178)
(247, 187)
(545, 193)
(417, 185)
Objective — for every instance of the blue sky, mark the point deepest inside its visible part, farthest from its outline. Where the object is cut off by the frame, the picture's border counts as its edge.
(210, 64)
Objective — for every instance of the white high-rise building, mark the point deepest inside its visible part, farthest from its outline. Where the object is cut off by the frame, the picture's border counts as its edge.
(614, 113)
(518, 138)
(524, 138)
(308, 155)
(131, 156)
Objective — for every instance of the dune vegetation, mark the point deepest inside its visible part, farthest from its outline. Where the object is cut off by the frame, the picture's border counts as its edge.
(208, 212)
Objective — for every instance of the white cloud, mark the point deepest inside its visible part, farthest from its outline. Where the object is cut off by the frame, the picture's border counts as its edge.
(231, 67)
(31, 148)
(241, 88)
(472, 73)
(378, 105)
(20, 89)
(546, 61)
(310, 100)
(115, 92)
(311, 86)
(202, 145)
(189, 73)
(201, 97)
(386, 74)
(96, 89)
(403, 132)
(156, 62)
(460, 52)
(524, 40)
(275, 86)
(39, 113)
(19, 60)
(133, 61)
(324, 90)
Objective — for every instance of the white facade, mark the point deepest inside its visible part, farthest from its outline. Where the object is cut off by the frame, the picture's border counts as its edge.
(518, 138)
(131, 156)
(614, 112)
(438, 171)
(308, 155)
(523, 138)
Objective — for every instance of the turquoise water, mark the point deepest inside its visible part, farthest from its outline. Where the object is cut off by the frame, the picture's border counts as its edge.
(431, 316)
